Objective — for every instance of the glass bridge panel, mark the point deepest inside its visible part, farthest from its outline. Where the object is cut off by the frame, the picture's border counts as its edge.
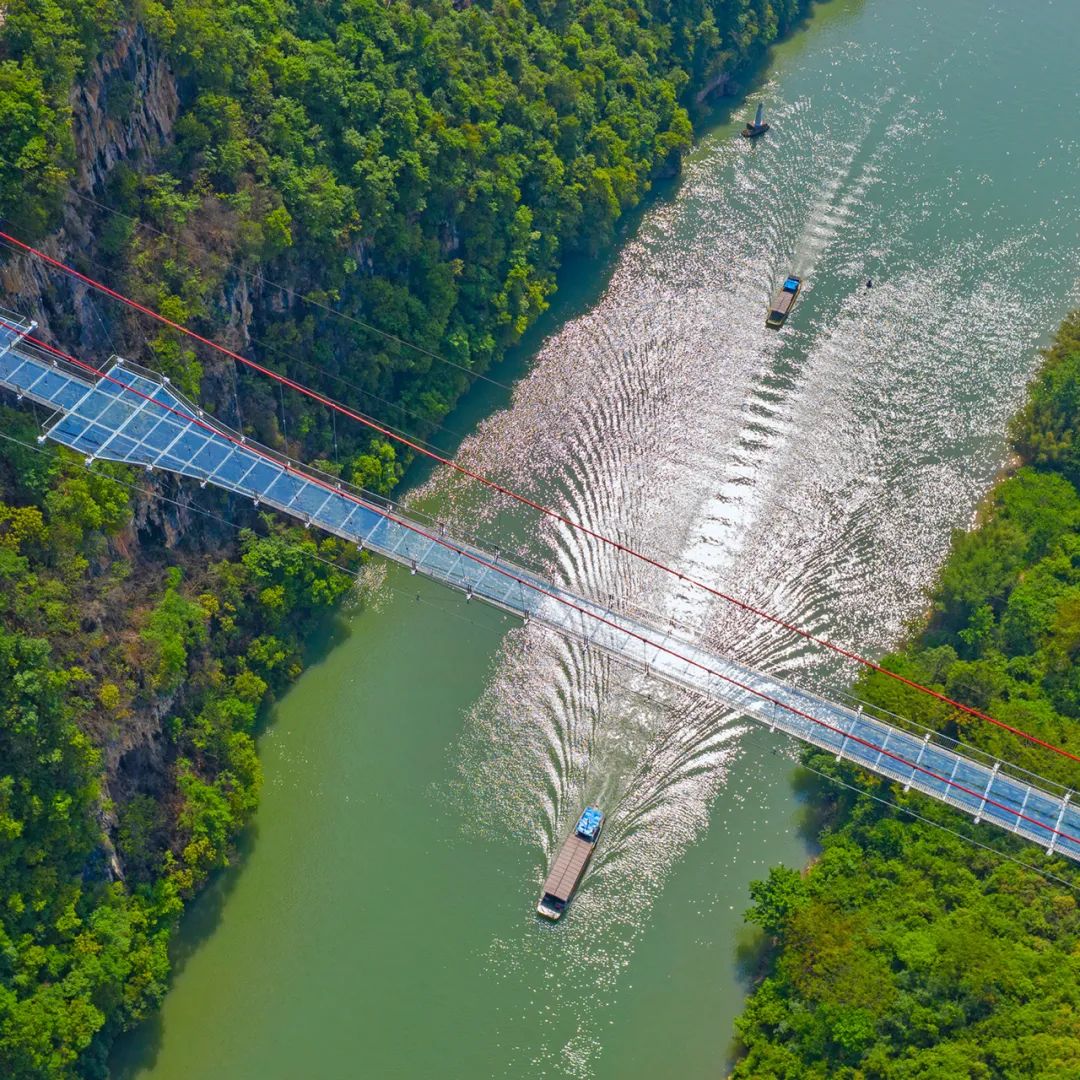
(336, 513)
(181, 452)
(260, 475)
(167, 431)
(282, 488)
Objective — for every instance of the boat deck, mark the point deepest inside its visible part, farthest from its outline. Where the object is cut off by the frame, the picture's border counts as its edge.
(567, 869)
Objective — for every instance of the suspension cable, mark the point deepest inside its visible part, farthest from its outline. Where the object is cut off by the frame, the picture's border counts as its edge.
(523, 583)
(547, 511)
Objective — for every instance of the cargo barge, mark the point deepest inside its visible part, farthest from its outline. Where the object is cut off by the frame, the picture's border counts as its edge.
(784, 302)
(569, 865)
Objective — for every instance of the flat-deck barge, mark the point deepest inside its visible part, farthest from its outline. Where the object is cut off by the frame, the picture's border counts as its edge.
(783, 303)
(569, 865)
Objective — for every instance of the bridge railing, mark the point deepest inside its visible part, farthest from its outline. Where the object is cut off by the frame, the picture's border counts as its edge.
(955, 745)
(133, 415)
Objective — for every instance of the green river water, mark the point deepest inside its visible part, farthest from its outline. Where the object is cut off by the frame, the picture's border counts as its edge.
(422, 772)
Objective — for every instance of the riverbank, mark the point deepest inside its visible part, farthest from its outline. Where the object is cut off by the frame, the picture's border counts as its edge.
(155, 636)
(662, 410)
(909, 949)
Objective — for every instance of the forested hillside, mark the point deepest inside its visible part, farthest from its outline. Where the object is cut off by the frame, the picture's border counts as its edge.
(907, 952)
(422, 168)
(154, 666)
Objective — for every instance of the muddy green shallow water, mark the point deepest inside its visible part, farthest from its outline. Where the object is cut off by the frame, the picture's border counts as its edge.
(421, 774)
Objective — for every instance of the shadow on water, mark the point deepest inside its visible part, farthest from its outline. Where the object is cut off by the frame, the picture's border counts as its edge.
(819, 800)
(581, 281)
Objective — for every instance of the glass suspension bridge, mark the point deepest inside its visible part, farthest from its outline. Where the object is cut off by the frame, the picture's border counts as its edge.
(128, 414)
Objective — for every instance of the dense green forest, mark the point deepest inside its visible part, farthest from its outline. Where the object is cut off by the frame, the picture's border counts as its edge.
(423, 168)
(89, 641)
(905, 951)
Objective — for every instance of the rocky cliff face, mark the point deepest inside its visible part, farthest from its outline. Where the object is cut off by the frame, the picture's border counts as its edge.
(123, 111)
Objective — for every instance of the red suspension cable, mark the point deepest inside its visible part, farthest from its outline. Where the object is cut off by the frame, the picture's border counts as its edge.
(532, 504)
(525, 584)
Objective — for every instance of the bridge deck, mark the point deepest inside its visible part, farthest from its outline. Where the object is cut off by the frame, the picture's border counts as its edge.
(132, 415)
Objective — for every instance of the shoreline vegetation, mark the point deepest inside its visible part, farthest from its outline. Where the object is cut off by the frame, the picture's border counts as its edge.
(905, 951)
(424, 169)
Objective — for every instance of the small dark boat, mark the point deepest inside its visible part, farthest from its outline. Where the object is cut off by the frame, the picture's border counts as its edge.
(758, 127)
(783, 303)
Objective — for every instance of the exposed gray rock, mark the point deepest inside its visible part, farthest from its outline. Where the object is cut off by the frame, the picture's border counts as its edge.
(123, 109)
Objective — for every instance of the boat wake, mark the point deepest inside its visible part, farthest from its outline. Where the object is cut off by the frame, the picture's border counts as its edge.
(817, 474)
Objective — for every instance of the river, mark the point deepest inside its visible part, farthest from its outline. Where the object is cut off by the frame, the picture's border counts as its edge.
(423, 770)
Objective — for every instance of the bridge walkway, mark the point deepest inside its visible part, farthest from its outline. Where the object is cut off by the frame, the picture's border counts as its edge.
(132, 415)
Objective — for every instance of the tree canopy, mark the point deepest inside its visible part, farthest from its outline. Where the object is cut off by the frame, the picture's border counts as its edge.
(424, 168)
(905, 951)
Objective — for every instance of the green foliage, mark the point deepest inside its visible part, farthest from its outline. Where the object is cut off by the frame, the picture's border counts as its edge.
(378, 469)
(173, 627)
(921, 955)
(776, 898)
(83, 955)
(905, 952)
(424, 169)
(76, 953)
